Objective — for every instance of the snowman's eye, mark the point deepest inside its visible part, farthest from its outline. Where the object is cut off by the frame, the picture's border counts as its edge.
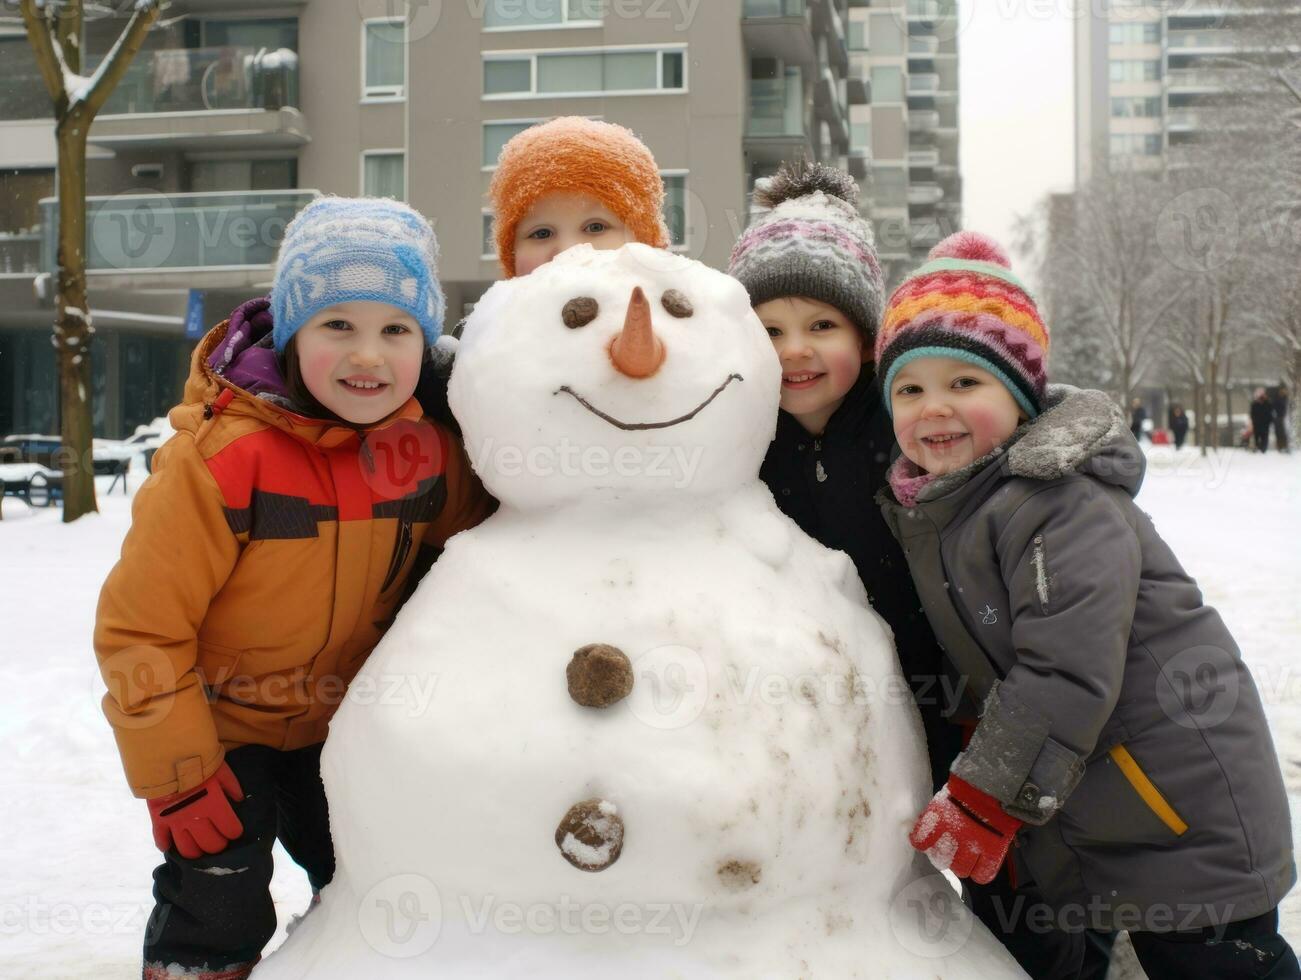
(677, 304)
(579, 312)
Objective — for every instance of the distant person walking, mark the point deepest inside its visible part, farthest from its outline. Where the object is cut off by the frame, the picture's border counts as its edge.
(1137, 416)
(1178, 425)
(1262, 417)
(1280, 419)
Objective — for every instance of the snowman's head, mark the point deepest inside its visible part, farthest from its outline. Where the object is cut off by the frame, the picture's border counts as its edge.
(620, 373)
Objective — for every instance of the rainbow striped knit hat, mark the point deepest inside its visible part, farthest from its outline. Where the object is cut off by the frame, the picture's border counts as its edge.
(965, 303)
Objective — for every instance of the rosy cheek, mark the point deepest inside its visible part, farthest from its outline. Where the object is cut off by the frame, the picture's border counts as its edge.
(986, 427)
(317, 369)
(843, 368)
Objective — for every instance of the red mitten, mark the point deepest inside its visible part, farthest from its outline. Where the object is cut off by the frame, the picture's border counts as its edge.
(966, 831)
(201, 819)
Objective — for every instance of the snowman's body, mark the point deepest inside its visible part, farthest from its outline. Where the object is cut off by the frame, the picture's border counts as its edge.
(767, 763)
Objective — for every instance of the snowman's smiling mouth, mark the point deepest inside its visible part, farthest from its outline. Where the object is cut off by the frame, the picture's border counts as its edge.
(646, 425)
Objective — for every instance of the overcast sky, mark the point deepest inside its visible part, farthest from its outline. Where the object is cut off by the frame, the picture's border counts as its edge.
(1017, 112)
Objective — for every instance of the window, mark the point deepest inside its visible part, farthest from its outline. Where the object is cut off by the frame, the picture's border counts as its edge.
(857, 35)
(887, 85)
(604, 72)
(384, 174)
(860, 135)
(384, 59)
(889, 187)
(488, 248)
(675, 207)
(515, 15)
(1135, 34)
(1135, 71)
(497, 134)
(1135, 144)
(1139, 107)
(204, 176)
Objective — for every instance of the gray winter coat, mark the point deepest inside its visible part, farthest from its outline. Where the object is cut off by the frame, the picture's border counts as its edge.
(1119, 721)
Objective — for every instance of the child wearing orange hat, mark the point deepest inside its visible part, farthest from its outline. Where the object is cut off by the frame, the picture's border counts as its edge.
(572, 181)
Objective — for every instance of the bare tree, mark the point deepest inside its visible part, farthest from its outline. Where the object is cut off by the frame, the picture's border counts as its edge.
(54, 29)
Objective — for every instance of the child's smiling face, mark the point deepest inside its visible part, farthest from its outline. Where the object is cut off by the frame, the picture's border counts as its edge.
(360, 359)
(560, 220)
(948, 413)
(821, 354)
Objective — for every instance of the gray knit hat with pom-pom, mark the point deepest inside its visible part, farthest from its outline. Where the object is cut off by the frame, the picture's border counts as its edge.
(812, 243)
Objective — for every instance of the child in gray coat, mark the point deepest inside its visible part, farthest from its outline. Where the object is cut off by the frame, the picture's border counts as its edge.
(1121, 742)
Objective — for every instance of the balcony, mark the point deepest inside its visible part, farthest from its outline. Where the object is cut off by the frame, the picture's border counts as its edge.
(927, 83)
(1201, 42)
(925, 193)
(1195, 80)
(923, 120)
(136, 240)
(775, 126)
(923, 46)
(779, 29)
(829, 99)
(923, 158)
(857, 90)
(224, 98)
(837, 41)
(20, 253)
(857, 163)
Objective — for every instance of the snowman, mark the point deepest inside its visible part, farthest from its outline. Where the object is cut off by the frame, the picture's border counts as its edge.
(636, 723)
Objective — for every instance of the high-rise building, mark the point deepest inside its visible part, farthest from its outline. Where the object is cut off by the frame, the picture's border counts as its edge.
(906, 136)
(1153, 78)
(234, 114)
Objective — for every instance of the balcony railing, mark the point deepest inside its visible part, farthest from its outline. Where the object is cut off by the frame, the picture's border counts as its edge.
(1201, 39)
(777, 106)
(773, 8)
(20, 252)
(923, 46)
(1195, 78)
(923, 158)
(204, 79)
(147, 232)
(921, 120)
(923, 84)
(925, 193)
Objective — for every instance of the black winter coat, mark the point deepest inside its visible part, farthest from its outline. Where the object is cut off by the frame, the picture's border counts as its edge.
(826, 485)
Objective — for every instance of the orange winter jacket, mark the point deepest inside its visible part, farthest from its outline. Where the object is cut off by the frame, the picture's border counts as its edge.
(266, 557)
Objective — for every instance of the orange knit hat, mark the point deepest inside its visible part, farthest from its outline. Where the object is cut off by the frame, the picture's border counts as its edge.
(583, 156)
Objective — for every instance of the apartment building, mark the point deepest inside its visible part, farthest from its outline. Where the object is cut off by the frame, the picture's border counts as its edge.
(905, 139)
(234, 115)
(1152, 78)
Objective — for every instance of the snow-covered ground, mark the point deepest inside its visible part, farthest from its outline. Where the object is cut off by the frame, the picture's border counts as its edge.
(76, 849)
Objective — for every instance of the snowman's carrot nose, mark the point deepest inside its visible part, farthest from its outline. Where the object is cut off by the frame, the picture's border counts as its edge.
(637, 352)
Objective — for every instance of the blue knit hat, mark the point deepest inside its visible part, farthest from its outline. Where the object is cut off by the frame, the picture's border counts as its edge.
(340, 249)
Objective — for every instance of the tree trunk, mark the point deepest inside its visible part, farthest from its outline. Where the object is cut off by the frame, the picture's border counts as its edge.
(1213, 393)
(72, 329)
(1203, 410)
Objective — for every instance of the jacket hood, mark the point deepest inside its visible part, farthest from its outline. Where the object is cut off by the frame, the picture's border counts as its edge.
(1083, 431)
(246, 356)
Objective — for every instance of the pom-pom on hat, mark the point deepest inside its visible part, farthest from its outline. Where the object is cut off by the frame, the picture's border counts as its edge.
(342, 249)
(812, 243)
(581, 156)
(965, 303)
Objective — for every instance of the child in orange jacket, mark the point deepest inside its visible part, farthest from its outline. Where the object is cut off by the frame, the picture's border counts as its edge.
(267, 555)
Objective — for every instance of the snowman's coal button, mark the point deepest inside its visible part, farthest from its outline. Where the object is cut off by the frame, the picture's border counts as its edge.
(737, 876)
(677, 304)
(591, 835)
(579, 312)
(599, 675)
